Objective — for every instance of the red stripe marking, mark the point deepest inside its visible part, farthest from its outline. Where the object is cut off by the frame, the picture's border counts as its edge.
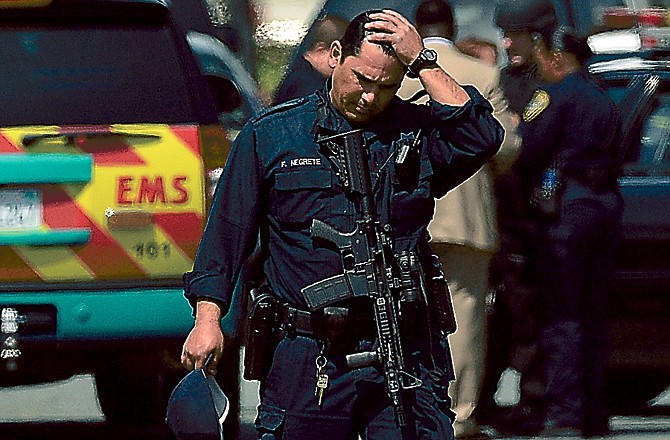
(111, 152)
(185, 229)
(102, 254)
(189, 136)
(13, 268)
(6, 146)
(60, 211)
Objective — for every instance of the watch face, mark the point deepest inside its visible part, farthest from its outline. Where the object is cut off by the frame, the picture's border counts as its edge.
(430, 55)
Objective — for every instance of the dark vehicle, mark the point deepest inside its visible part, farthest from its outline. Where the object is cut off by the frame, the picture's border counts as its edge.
(639, 80)
(116, 123)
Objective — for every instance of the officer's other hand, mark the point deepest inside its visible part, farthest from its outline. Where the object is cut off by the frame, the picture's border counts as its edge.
(205, 337)
(391, 27)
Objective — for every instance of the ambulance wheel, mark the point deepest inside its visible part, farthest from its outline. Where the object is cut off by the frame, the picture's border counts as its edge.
(135, 389)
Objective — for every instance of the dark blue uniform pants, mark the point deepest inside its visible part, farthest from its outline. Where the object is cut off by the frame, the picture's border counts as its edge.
(355, 402)
(575, 259)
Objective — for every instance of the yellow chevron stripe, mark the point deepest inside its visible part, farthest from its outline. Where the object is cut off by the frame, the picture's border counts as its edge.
(167, 158)
(165, 263)
(55, 263)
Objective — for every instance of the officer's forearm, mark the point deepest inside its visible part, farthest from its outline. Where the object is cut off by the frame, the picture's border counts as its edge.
(207, 311)
(443, 88)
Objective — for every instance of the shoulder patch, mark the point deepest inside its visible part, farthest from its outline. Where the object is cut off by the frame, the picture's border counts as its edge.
(537, 104)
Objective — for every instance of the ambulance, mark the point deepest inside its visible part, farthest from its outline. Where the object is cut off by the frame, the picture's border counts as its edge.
(110, 144)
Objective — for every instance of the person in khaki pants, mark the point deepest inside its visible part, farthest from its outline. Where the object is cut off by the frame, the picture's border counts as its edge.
(464, 230)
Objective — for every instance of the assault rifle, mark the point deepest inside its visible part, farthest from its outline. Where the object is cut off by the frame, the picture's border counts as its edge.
(369, 270)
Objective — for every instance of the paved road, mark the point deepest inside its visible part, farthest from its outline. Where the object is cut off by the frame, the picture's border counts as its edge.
(69, 410)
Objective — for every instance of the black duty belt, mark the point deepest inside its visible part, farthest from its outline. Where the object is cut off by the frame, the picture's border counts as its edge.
(301, 322)
(329, 323)
(596, 178)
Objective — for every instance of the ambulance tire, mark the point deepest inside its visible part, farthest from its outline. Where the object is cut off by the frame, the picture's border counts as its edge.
(133, 389)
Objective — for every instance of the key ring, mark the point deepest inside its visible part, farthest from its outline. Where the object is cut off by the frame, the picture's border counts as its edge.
(321, 361)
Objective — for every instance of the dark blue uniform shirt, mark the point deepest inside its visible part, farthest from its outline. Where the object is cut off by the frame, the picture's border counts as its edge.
(578, 119)
(302, 80)
(277, 179)
(573, 246)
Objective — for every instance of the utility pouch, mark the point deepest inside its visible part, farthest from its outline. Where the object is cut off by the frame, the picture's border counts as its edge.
(413, 310)
(338, 336)
(442, 315)
(261, 333)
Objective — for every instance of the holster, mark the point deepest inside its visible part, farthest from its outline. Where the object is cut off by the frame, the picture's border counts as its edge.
(442, 315)
(261, 333)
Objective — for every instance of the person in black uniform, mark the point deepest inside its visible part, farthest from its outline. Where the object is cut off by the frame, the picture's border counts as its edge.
(311, 70)
(569, 171)
(511, 275)
(279, 177)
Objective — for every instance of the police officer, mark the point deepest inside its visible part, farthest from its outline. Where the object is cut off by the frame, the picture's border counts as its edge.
(512, 273)
(569, 172)
(279, 178)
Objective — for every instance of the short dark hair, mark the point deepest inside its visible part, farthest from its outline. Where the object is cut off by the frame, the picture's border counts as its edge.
(326, 30)
(355, 34)
(434, 12)
(435, 18)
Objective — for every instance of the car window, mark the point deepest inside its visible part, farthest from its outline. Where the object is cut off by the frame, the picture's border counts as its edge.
(655, 137)
(652, 156)
(91, 74)
(644, 105)
(618, 90)
(654, 134)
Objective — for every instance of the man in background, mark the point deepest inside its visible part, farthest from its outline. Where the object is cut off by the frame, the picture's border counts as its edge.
(310, 72)
(513, 324)
(464, 232)
(569, 168)
(519, 79)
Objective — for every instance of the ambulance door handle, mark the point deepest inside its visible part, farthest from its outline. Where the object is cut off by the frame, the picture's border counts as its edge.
(27, 168)
(51, 237)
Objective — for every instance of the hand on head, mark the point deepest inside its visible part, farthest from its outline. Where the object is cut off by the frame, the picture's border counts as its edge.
(392, 28)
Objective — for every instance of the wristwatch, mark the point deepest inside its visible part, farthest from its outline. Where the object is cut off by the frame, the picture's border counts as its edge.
(427, 58)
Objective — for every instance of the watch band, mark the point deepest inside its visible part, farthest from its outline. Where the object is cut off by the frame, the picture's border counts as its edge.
(426, 58)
